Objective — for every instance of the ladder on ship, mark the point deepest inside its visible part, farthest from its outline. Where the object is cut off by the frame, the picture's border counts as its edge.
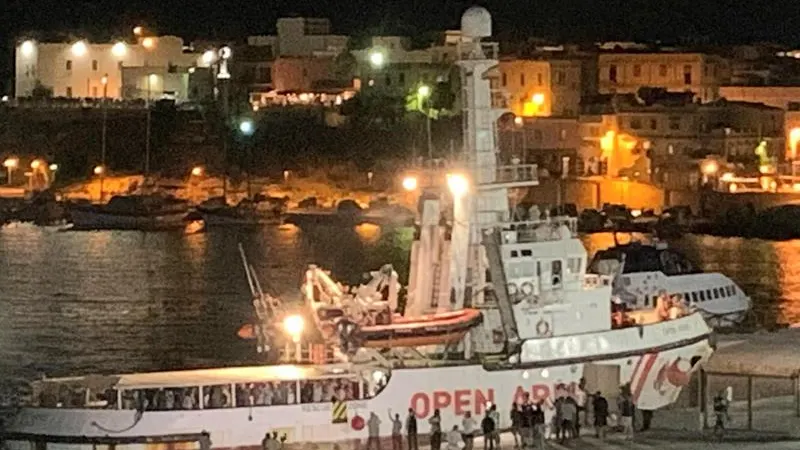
(493, 254)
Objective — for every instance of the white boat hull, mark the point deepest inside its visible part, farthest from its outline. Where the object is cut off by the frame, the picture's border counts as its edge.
(651, 372)
(86, 219)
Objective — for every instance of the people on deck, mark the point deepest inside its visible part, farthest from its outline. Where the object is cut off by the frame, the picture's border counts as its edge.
(516, 422)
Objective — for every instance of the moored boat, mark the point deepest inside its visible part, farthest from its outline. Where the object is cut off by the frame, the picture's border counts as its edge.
(131, 212)
(258, 211)
(647, 271)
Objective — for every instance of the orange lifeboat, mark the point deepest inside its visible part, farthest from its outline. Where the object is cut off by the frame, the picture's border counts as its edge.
(432, 329)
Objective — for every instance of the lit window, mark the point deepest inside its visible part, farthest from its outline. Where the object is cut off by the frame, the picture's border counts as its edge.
(95, 66)
(69, 64)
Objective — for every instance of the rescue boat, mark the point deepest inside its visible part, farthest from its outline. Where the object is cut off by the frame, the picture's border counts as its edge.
(432, 329)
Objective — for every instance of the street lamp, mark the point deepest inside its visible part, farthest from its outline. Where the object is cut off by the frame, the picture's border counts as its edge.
(138, 31)
(247, 127)
(27, 48)
(197, 171)
(11, 165)
(148, 43)
(119, 50)
(410, 183)
(377, 59)
(423, 94)
(99, 170)
(79, 49)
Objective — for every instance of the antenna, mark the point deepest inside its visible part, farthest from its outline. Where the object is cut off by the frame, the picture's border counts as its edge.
(248, 270)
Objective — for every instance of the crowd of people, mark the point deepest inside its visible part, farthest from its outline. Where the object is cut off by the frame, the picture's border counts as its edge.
(212, 397)
(531, 422)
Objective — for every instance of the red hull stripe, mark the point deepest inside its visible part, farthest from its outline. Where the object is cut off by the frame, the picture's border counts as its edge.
(646, 369)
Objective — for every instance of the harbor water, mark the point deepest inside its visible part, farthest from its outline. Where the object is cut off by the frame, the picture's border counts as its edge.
(106, 302)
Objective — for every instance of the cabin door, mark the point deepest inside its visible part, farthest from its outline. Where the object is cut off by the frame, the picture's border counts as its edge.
(603, 378)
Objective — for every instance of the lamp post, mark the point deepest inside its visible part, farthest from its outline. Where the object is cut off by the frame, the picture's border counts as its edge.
(247, 128)
(423, 94)
(11, 165)
(150, 78)
(104, 137)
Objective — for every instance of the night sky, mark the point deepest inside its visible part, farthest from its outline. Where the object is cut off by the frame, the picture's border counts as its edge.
(719, 21)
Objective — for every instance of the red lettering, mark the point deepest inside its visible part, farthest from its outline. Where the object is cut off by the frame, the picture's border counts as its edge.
(519, 395)
(461, 401)
(441, 399)
(421, 405)
(481, 400)
(540, 392)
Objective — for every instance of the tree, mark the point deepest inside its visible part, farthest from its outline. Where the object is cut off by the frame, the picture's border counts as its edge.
(41, 92)
(440, 102)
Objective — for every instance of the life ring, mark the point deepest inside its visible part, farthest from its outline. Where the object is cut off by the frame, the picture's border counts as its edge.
(512, 289)
(357, 423)
(527, 288)
(543, 328)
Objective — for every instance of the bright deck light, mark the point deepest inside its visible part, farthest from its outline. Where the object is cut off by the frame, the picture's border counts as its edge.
(293, 325)
(458, 184)
(410, 183)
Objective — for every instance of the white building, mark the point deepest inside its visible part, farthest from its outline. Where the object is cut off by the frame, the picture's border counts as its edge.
(81, 69)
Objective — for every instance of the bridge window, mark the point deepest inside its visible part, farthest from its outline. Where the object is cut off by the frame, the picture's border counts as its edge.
(325, 391)
(694, 297)
(557, 273)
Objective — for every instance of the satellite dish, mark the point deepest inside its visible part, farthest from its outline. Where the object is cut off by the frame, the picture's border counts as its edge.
(476, 23)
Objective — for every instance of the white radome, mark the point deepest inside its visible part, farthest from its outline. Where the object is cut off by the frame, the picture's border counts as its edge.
(476, 23)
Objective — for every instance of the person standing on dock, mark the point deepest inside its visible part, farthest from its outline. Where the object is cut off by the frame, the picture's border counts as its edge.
(397, 431)
(374, 432)
(496, 419)
(468, 425)
(488, 428)
(436, 430)
(600, 407)
(626, 411)
(411, 430)
(454, 439)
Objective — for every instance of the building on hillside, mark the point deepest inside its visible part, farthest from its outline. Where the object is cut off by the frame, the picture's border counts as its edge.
(553, 143)
(547, 87)
(660, 136)
(81, 69)
(783, 97)
(298, 62)
(389, 63)
(699, 73)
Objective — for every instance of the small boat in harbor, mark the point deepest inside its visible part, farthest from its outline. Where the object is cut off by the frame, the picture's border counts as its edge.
(146, 212)
(259, 210)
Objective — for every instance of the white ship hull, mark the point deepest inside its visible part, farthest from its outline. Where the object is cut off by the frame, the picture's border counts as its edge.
(90, 219)
(648, 363)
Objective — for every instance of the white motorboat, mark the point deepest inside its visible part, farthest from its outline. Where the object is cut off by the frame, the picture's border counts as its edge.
(645, 271)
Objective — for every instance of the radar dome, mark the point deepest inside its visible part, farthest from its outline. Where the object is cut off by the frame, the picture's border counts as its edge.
(476, 23)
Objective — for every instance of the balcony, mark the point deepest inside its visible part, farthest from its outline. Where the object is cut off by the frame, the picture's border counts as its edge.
(513, 176)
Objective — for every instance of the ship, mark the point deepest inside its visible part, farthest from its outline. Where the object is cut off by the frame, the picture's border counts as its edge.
(647, 271)
(545, 329)
(147, 212)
